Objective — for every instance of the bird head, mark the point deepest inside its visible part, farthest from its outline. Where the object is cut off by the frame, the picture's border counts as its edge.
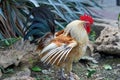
(89, 21)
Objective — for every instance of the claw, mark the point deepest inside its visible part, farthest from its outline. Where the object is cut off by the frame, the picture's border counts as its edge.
(71, 76)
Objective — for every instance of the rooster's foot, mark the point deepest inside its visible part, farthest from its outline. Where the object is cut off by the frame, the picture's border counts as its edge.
(73, 76)
(62, 75)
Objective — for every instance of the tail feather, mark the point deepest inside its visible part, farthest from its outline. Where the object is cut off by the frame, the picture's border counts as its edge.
(40, 19)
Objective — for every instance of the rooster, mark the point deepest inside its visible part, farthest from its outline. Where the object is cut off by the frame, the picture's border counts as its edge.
(64, 47)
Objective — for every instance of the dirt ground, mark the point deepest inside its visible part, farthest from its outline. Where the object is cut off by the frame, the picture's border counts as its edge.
(80, 69)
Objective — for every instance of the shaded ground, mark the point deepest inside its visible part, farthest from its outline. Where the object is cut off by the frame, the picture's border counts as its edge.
(81, 70)
(100, 74)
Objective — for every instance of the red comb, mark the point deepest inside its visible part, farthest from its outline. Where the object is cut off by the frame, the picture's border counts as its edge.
(87, 17)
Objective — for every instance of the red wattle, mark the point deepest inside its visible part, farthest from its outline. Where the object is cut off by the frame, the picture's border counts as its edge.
(88, 29)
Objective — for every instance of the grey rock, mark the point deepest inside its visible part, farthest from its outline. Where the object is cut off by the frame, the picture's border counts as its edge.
(100, 24)
(0, 74)
(109, 41)
(15, 53)
(10, 57)
(21, 75)
(24, 72)
(20, 78)
(46, 72)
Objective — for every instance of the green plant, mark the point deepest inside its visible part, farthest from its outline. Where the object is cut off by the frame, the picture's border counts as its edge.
(90, 72)
(6, 71)
(119, 20)
(47, 77)
(107, 67)
(9, 70)
(36, 69)
(8, 42)
(64, 10)
(68, 10)
(13, 15)
(92, 35)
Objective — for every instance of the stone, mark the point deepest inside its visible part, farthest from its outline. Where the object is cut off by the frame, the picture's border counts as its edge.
(21, 75)
(9, 57)
(100, 24)
(15, 53)
(20, 78)
(46, 72)
(25, 72)
(74, 77)
(0, 73)
(109, 41)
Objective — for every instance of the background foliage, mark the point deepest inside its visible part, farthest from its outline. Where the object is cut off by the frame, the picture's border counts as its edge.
(13, 13)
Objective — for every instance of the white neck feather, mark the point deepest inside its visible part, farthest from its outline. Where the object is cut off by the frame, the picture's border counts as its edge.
(77, 31)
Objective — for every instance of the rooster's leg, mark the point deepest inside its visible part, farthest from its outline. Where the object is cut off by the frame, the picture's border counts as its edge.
(68, 69)
(71, 76)
(62, 75)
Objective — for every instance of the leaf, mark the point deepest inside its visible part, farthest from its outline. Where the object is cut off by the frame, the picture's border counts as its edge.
(119, 20)
(13, 40)
(107, 67)
(92, 35)
(2, 69)
(119, 17)
(90, 72)
(13, 19)
(1, 13)
(8, 42)
(1, 37)
(9, 70)
(36, 69)
(34, 2)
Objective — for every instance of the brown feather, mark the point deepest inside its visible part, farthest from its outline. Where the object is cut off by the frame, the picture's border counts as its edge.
(71, 46)
(44, 41)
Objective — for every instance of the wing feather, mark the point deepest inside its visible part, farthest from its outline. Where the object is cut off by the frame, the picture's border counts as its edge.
(48, 55)
(57, 57)
(59, 53)
(64, 55)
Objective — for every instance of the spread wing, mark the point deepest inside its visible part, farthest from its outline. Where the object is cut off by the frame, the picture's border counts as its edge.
(58, 50)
